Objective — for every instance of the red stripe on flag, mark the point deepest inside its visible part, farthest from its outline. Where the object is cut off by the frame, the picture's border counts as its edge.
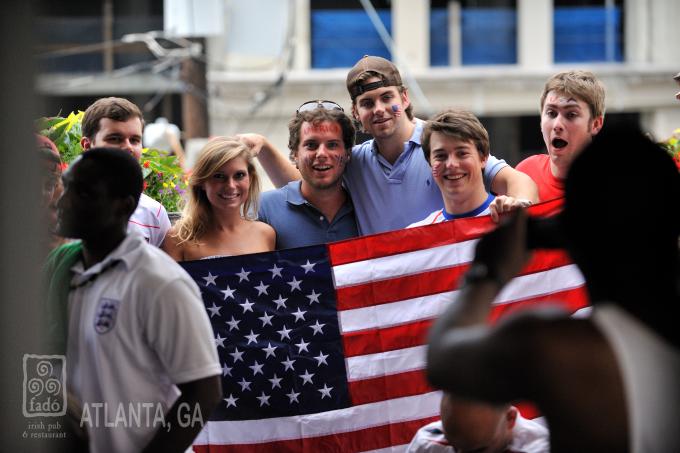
(387, 387)
(386, 339)
(407, 240)
(365, 439)
(413, 334)
(430, 282)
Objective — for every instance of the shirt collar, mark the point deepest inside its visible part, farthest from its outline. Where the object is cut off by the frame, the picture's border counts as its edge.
(417, 132)
(126, 252)
(294, 193)
(472, 213)
(414, 139)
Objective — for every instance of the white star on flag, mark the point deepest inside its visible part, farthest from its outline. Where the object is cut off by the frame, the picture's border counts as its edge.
(307, 377)
(219, 341)
(293, 396)
(313, 297)
(280, 302)
(275, 381)
(226, 371)
(210, 279)
(299, 314)
(214, 310)
(257, 368)
(284, 332)
(302, 346)
(244, 384)
(252, 338)
(317, 328)
(269, 350)
(237, 355)
(321, 358)
(233, 324)
(243, 275)
(247, 306)
(264, 399)
(288, 364)
(325, 391)
(294, 284)
(266, 319)
(276, 271)
(308, 267)
(228, 292)
(261, 288)
(231, 400)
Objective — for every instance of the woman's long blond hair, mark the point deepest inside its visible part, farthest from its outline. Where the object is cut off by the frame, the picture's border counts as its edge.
(197, 215)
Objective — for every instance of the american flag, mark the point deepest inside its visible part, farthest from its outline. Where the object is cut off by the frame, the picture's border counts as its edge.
(323, 347)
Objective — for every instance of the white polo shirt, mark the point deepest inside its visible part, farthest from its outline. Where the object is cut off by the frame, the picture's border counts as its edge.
(137, 327)
(150, 219)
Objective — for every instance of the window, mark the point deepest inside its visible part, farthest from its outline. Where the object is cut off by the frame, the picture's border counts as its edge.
(488, 32)
(342, 32)
(588, 30)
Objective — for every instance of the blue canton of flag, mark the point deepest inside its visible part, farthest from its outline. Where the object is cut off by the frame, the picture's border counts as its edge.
(276, 331)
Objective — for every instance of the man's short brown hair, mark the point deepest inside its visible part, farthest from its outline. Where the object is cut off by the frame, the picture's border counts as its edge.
(578, 84)
(316, 117)
(117, 109)
(459, 124)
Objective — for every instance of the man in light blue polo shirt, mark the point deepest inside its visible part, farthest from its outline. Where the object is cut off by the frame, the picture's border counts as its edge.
(316, 209)
(388, 177)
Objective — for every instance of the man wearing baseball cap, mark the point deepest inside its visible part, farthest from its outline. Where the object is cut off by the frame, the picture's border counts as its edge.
(388, 177)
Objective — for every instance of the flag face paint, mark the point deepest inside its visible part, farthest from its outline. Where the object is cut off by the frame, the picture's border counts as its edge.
(396, 110)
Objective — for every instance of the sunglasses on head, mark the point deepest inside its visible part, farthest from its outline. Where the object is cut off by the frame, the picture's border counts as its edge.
(318, 104)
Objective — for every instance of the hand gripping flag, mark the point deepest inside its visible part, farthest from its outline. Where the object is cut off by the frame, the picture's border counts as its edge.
(323, 347)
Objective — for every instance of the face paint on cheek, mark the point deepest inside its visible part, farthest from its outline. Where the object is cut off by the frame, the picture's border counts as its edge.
(396, 110)
(436, 169)
(308, 160)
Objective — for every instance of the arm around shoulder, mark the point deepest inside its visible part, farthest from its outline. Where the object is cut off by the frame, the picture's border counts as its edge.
(509, 181)
(279, 169)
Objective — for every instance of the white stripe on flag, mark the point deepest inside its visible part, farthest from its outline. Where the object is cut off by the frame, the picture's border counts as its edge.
(408, 263)
(313, 425)
(386, 363)
(395, 313)
(547, 282)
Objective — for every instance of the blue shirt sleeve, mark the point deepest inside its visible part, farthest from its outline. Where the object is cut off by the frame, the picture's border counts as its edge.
(493, 166)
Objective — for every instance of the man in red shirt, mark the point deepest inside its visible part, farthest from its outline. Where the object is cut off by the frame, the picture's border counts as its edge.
(572, 112)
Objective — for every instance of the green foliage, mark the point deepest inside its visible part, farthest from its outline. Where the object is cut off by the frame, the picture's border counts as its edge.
(164, 179)
(64, 132)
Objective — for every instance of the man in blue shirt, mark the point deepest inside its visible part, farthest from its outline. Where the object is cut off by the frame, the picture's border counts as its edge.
(388, 176)
(316, 209)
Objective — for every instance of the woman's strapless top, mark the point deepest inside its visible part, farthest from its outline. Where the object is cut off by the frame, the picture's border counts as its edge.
(214, 256)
